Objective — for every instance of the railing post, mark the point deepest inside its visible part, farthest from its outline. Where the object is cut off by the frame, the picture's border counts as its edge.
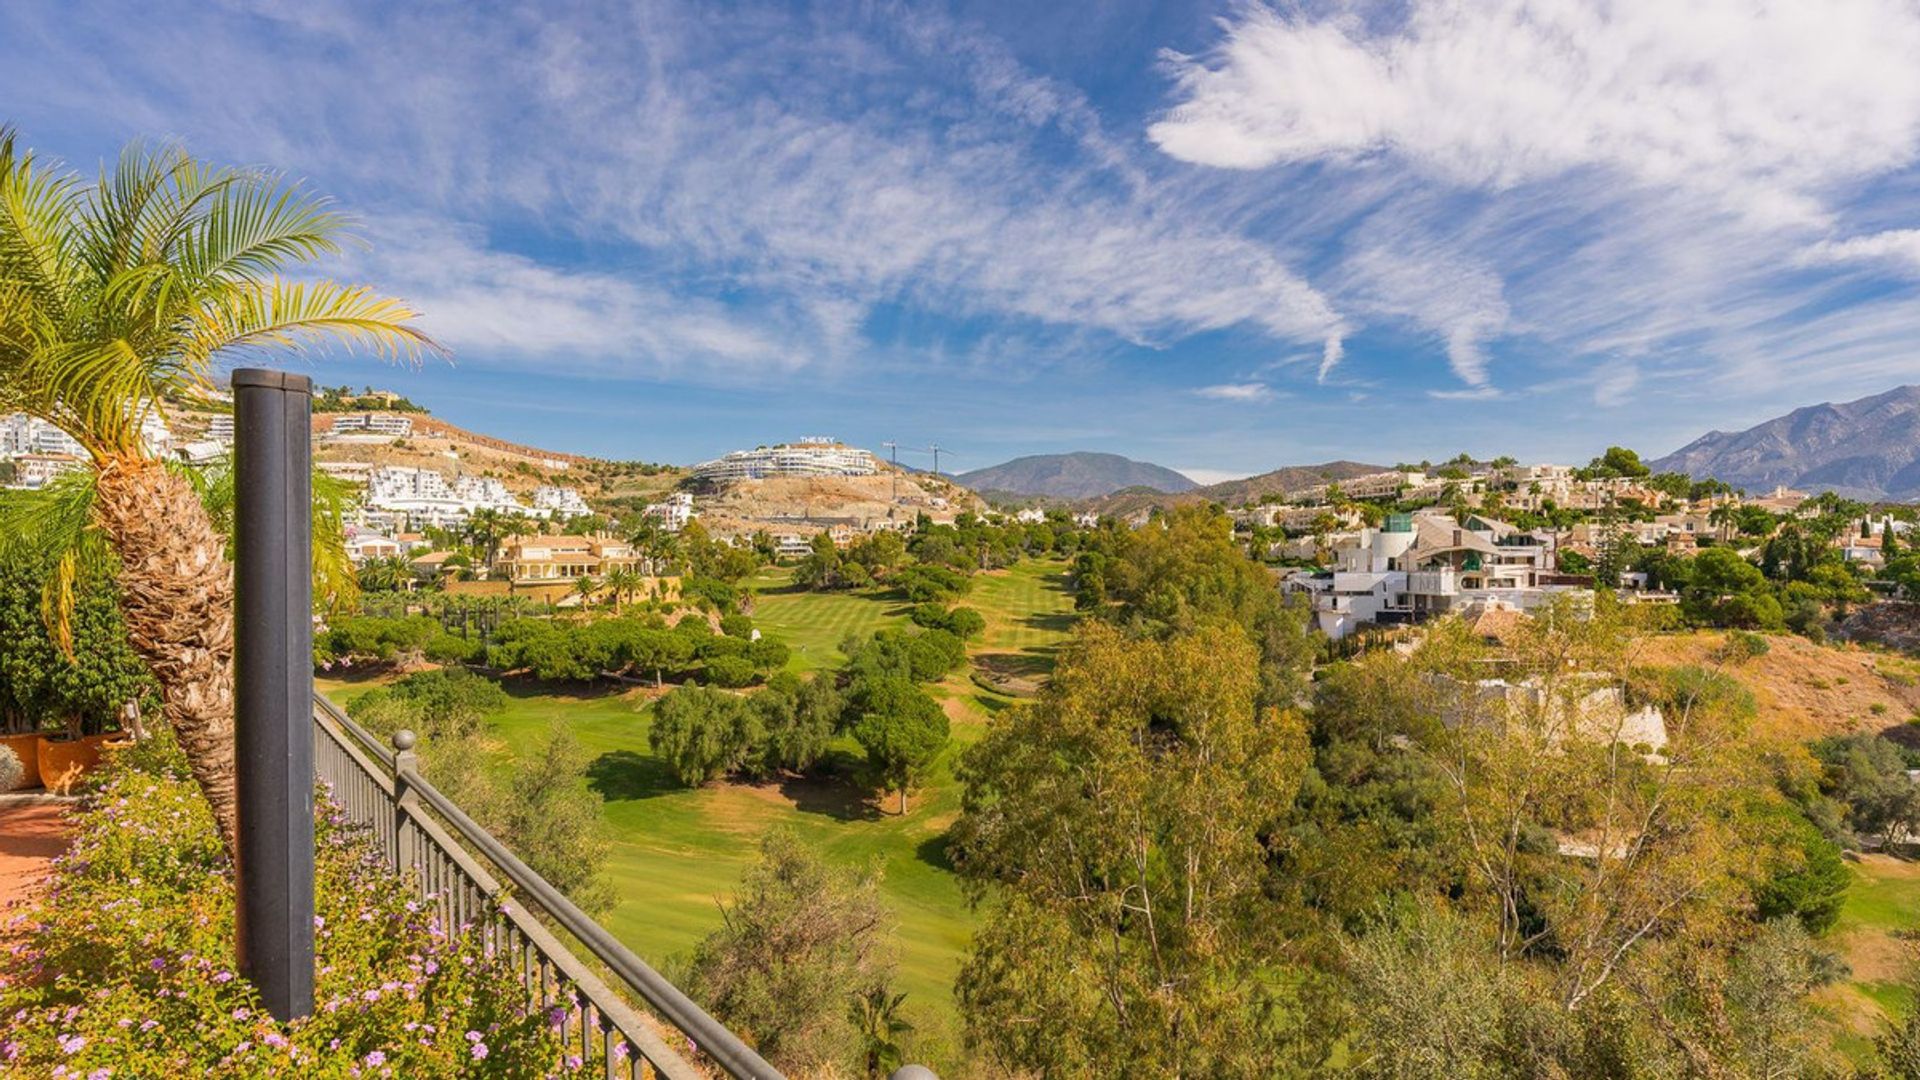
(405, 801)
(273, 685)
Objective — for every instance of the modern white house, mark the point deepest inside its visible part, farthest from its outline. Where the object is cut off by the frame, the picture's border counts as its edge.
(1417, 566)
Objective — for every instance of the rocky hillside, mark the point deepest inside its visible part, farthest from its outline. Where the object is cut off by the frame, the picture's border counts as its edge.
(1073, 476)
(1865, 449)
(1286, 478)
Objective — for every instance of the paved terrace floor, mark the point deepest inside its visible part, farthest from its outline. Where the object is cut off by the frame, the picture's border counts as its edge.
(33, 829)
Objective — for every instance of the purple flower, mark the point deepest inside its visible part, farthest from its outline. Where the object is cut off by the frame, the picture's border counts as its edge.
(479, 1051)
(71, 1044)
(376, 1059)
(223, 977)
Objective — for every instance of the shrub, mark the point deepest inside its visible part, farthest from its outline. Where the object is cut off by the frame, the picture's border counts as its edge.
(704, 734)
(153, 990)
(1742, 645)
(731, 671)
(454, 649)
(738, 626)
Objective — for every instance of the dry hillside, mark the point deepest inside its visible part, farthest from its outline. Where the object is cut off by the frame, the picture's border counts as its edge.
(1805, 690)
(809, 503)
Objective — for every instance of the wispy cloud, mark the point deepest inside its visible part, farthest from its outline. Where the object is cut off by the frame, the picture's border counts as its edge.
(1764, 104)
(1900, 247)
(1246, 391)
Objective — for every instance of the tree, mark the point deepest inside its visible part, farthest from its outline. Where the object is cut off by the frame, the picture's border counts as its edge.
(1118, 820)
(703, 734)
(800, 946)
(552, 821)
(586, 587)
(797, 719)
(901, 728)
(117, 294)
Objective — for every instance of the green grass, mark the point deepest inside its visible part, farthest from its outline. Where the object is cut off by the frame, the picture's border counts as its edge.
(1882, 910)
(678, 852)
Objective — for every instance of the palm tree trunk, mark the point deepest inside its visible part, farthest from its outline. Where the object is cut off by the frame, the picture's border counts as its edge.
(177, 594)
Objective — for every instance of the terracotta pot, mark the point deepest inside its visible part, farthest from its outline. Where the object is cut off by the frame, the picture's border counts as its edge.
(64, 761)
(28, 748)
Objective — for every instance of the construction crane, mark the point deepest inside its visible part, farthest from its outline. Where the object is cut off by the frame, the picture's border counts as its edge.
(934, 449)
(893, 455)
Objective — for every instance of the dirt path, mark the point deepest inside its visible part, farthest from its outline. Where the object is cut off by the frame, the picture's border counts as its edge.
(31, 834)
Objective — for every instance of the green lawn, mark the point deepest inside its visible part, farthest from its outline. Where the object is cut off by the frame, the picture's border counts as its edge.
(679, 851)
(1873, 935)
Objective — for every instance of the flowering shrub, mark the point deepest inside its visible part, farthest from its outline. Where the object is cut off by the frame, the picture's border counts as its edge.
(125, 966)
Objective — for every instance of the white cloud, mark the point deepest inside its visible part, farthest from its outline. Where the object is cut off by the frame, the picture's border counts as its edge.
(1900, 247)
(1247, 391)
(1765, 104)
(1460, 302)
(509, 308)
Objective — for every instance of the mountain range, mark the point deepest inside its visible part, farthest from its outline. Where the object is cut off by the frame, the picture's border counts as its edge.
(1867, 449)
(1074, 476)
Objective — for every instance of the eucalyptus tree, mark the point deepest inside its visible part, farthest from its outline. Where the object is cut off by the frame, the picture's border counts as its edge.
(128, 291)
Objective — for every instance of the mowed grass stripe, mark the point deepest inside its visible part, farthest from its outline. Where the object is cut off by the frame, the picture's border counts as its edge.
(678, 852)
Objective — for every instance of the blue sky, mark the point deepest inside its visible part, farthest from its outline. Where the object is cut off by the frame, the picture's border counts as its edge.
(1222, 237)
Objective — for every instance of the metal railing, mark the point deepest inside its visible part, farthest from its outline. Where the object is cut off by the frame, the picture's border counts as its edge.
(452, 862)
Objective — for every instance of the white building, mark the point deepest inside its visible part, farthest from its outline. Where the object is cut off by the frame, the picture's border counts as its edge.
(673, 514)
(1416, 566)
(560, 502)
(372, 426)
(23, 434)
(220, 429)
(808, 457)
(35, 470)
(364, 546)
(425, 498)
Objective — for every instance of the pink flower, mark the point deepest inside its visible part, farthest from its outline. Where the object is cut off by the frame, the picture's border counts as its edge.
(479, 1051)
(71, 1044)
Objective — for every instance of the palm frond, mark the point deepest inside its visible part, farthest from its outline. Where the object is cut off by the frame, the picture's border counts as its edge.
(336, 588)
(38, 255)
(56, 523)
(296, 315)
(256, 226)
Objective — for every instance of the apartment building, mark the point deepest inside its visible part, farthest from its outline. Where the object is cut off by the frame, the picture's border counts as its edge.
(1383, 485)
(559, 502)
(672, 514)
(372, 426)
(808, 457)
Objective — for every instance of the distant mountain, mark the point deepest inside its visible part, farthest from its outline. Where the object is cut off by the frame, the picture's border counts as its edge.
(1073, 476)
(1287, 478)
(1866, 449)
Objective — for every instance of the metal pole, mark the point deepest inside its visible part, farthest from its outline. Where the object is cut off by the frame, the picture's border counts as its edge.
(405, 803)
(273, 683)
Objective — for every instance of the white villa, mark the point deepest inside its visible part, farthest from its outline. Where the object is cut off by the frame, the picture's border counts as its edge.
(1416, 566)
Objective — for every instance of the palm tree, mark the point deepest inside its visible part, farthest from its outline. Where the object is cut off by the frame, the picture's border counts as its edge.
(622, 582)
(119, 294)
(585, 587)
